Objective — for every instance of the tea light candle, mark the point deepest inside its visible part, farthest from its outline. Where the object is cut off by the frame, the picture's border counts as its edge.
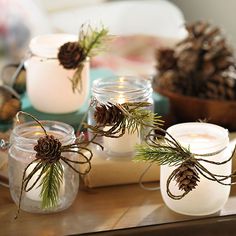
(34, 193)
(123, 145)
(208, 197)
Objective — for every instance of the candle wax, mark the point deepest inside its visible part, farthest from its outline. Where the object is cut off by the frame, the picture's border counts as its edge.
(123, 144)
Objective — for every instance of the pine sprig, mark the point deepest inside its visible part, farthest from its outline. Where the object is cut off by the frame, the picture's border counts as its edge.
(137, 117)
(92, 39)
(51, 182)
(163, 155)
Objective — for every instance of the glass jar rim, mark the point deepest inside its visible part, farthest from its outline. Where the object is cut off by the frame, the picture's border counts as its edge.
(131, 86)
(47, 45)
(18, 131)
(221, 133)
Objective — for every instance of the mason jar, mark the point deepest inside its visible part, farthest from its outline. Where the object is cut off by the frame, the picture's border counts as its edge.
(120, 89)
(48, 83)
(21, 152)
(209, 196)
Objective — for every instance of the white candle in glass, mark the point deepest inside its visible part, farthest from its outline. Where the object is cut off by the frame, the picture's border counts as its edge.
(34, 193)
(124, 145)
(208, 197)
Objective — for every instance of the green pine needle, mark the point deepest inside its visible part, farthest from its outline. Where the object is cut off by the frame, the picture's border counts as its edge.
(51, 182)
(92, 39)
(138, 117)
(163, 155)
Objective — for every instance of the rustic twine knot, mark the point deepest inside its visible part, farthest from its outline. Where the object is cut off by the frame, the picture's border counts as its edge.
(48, 149)
(70, 55)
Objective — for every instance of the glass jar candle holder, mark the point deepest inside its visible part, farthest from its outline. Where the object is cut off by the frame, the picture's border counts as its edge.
(209, 196)
(21, 152)
(118, 90)
(48, 83)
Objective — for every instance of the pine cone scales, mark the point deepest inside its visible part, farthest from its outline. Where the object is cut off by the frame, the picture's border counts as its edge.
(70, 55)
(166, 59)
(204, 65)
(48, 148)
(187, 176)
(108, 114)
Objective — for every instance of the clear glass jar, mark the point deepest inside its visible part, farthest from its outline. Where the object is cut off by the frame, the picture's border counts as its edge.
(48, 84)
(120, 89)
(21, 152)
(209, 196)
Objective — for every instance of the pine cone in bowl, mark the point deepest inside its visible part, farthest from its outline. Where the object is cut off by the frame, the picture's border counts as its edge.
(201, 83)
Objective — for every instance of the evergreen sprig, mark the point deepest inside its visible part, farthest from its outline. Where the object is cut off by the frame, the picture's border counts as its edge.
(137, 116)
(92, 39)
(51, 182)
(163, 155)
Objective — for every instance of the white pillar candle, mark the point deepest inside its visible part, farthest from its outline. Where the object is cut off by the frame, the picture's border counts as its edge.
(208, 197)
(123, 145)
(34, 193)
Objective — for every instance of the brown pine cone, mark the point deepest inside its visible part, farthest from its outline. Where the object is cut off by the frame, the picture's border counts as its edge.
(170, 81)
(187, 176)
(187, 61)
(108, 114)
(48, 149)
(166, 59)
(70, 55)
(204, 62)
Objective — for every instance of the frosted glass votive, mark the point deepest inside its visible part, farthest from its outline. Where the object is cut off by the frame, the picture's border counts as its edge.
(209, 196)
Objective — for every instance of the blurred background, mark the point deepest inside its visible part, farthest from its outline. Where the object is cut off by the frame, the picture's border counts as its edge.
(20, 20)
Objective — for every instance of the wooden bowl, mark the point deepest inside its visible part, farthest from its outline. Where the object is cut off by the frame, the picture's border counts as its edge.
(186, 109)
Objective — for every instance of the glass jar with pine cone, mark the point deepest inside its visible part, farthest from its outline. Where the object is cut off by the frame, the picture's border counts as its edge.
(105, 113)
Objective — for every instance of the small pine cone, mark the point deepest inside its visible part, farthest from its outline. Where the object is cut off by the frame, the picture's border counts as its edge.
(187, 176)
(70, 55)
(48, 149)
(108, 114)
(165, 59)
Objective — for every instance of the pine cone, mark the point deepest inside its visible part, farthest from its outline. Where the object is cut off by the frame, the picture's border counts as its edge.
(204, 63)
(170, 80)
(108, 114)
(166, 59)
(48, 149)
(70, 55)
(187, 176)
(9, 104)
